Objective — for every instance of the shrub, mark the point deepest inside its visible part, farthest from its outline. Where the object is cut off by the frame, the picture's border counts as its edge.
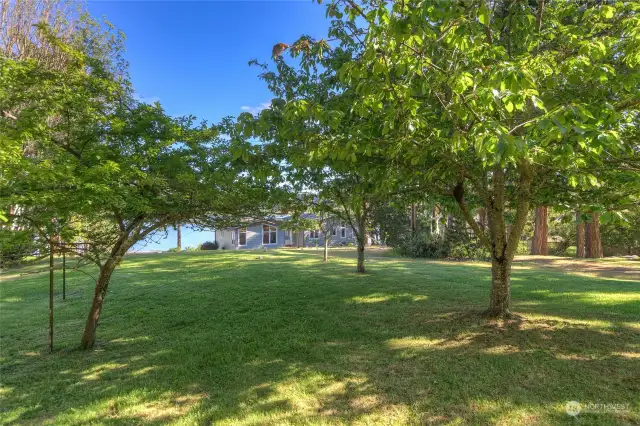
(523, 248)
(472, 250)
(15, 246)
(424, 245)
(173, 250)
(209, 245)
(457, 242)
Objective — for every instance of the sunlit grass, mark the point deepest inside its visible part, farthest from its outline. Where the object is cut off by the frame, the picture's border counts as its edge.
(234, 339)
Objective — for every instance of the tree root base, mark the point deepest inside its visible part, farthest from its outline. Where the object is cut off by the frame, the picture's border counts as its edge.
(500, 315)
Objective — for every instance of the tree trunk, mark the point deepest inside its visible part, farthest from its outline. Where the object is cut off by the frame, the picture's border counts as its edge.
(592, 238)
(539, 244)
(360, 268)
(580, 237)
(89, 335)
(179, 237)
(500, 303)
(51, 279)
(361, 243)
(414, 219)
(502, 244)
(482, 218)
(325, 257)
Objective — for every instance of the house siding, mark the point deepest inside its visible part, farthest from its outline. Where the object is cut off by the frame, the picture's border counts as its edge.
(254, 237)
(228, 241)
(335, 240)
(224, 238)
(228, 238)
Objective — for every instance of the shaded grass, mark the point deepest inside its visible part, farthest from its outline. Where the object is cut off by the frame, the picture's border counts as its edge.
(227, 338)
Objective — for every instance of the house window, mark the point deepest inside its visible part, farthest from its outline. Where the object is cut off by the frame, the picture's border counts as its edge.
(269, 234)
(343, 230)
(334, 231)
(242, 236)
(314, 234)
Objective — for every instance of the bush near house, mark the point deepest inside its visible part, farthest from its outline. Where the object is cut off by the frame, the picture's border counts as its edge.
(15, 246)
(209, 245)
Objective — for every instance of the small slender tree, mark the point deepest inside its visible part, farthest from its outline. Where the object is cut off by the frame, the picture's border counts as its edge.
(308, 144)
(178, 237)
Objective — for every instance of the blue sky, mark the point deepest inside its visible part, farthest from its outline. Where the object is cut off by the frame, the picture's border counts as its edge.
(193, 56)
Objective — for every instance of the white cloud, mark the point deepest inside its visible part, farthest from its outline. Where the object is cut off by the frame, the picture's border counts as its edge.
(256, 109)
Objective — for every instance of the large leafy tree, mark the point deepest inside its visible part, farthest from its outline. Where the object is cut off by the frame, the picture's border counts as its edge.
(308, 127)
(492, 102)
(106, 170)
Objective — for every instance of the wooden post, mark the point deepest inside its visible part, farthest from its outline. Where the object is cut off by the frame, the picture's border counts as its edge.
(51, 297)
(64, 275)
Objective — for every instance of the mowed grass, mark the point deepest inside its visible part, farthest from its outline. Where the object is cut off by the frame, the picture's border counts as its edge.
(228, 338)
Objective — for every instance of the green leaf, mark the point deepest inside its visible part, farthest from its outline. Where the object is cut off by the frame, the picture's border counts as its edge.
(509, 106)
(483, 14)
(538, 103)
(608, 12)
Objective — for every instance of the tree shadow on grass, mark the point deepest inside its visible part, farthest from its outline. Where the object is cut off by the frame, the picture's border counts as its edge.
(285, 340)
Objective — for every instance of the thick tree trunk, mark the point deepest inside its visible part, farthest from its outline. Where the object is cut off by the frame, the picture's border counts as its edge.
(179, 237)
(500, 303)
(592, 238)
(580, 237)
(539, 244)
(502, 243)
(89, 335)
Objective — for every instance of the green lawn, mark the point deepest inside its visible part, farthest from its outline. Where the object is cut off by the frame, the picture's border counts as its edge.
(227, 338)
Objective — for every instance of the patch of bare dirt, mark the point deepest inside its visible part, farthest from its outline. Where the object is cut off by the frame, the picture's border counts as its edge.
(619, 268)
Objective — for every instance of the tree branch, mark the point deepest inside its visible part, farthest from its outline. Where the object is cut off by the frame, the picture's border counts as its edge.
(458, 194)
(522, 209)
(539, 20)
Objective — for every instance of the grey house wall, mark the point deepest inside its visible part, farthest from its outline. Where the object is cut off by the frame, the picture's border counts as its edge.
(254, 237)
(334, 240)
(228, 238)
(224, 238)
